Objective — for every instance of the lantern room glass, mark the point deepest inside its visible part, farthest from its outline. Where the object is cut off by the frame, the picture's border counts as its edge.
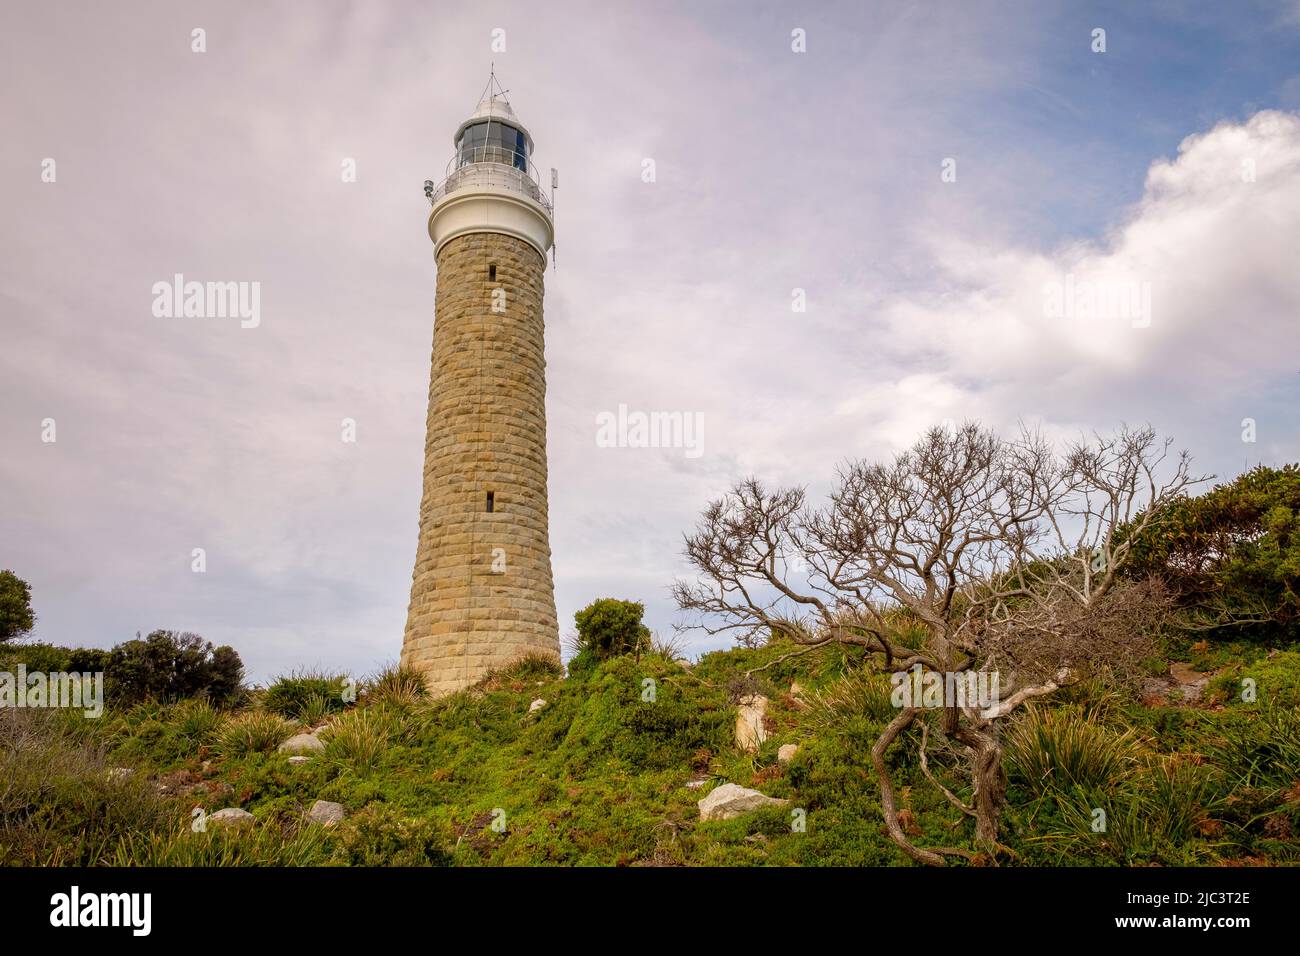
(493, 142)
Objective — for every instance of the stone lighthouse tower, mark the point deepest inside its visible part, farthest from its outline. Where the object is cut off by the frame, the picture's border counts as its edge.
(482, 593)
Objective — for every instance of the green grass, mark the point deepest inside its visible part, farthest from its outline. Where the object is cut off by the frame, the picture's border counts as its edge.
(1067, 747)
(251, 733)
(598, 776)
(306, 692)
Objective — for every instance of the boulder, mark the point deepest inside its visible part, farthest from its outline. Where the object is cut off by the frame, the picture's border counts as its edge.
(326, 813)
(232, 817)
(730, 800)
(301, 743)
(786, 753)
(750, 732)
(536, 705)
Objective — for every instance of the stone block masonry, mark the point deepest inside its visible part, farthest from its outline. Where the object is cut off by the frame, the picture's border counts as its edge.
(482, 594)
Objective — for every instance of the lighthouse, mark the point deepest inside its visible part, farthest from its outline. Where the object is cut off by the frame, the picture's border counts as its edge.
(482, 593)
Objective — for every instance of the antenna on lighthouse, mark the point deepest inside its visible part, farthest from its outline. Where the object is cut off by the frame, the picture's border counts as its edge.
(555, 184)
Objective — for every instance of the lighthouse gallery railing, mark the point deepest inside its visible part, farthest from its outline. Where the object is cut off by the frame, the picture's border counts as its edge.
(490, 166)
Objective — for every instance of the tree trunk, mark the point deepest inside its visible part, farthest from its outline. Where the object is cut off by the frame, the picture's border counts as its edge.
(887, 801)
(989, 783)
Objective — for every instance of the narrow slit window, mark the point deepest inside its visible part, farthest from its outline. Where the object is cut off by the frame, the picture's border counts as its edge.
(491, 501)
(492, 273)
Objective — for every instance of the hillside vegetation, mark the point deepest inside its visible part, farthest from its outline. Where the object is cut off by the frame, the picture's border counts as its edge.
(598, 776)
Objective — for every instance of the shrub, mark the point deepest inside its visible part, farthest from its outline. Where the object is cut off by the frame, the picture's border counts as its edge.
(528, 669)
(380, 836)
(196, 721)
(397, 685)
(239, 846)
(168, 665)
(1234, 550)
(1065, 747)
(583, 664)
(37, 657)
(291, 694)
(1156, 816)
(613, 721)
(16, 617)
(1276, 677)
(58, 803)
(609, 627)
(1261, 751)
(315, 709)
(358, 738)
(254, 732)
(90, 660)
(859, 693)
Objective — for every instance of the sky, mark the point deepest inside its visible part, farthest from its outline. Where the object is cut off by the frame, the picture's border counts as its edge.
(864, 219)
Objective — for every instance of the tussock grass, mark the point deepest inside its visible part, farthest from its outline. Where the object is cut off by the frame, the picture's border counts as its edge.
(1066, 747)
(397, 686)
(292, 694)
(1262, 751)
(524, 671)
(858, 694)
(230, 846)
(256, 731)
(358, 738)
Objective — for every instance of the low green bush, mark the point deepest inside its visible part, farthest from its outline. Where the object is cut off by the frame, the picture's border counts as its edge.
(1065, 748)
(292, 695)
(252, 732)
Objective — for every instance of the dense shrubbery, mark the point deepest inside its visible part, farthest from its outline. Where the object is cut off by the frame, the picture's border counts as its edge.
(609, 627)
(598, 776)
(168, 665)
(306, 695)
(165, 666)
(1232, 555)
(59, 804)
(16, 617)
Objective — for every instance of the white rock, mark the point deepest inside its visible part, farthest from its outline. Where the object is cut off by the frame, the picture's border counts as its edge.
(325, 812)
(232, 817)
(536, 705)
(301, 743)
(730, 800)
(786, 753)
(298, 760)
(750, 733)
(695, 784)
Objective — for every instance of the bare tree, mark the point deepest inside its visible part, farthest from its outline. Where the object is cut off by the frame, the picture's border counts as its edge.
(968, 554)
